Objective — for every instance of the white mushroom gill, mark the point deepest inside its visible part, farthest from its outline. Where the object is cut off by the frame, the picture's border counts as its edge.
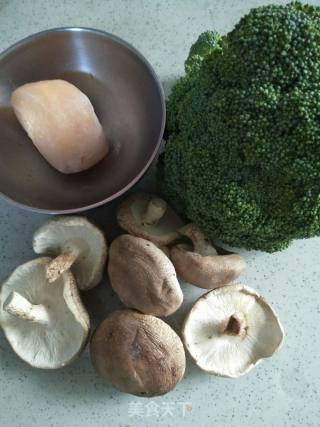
(149, 217)
(231, 329)
(154, 218)
(46, 324)
(76, 244)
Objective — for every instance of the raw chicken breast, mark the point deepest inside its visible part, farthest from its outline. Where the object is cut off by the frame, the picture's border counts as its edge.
(62, 124)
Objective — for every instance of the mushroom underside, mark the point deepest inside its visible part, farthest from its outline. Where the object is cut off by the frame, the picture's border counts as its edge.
(162, 229)
(229, 332)
(78, 244)
(52, 343)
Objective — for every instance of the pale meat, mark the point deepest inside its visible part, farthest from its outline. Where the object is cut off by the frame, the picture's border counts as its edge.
(61, 122)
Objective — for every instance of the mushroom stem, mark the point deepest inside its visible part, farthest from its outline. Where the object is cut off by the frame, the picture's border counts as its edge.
(200, 244)
(235, 325)
(20, 307)
(155, 210)
(61, 264)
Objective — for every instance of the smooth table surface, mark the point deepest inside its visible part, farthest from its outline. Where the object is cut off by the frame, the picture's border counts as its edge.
(282, 391)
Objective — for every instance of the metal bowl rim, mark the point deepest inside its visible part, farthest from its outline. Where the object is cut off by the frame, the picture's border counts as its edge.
(127, 45)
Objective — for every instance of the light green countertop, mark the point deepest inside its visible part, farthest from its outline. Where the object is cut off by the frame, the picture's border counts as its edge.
(283, 391)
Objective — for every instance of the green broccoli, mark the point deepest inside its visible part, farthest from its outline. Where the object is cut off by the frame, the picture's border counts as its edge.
(242, 159)
(208, 42)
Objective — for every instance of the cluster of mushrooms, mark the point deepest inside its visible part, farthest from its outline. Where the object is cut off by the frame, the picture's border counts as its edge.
(227, 331)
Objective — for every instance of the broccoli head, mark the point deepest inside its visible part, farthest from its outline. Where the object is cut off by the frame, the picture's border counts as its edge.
(242, 159)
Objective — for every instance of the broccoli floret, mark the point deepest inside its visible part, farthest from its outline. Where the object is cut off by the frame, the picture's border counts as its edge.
(208, 42)
(242, 159)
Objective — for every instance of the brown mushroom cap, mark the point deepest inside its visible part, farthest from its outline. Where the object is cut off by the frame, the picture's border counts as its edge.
(138, 353)
(201, 265)
(147, 216)
(206, 272)
(143, 276)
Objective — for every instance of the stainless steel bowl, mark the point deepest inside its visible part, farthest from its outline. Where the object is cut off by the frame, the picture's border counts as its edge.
(127, 97)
